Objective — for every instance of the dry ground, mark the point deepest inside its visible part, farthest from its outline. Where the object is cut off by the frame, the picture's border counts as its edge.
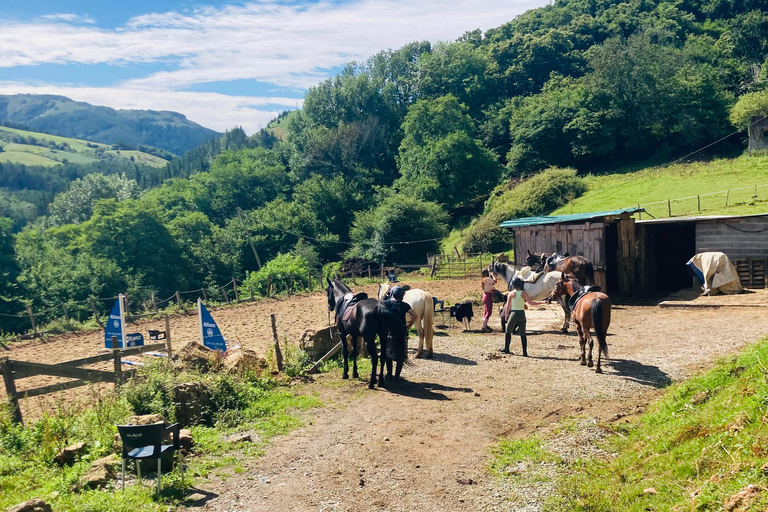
(423, 444)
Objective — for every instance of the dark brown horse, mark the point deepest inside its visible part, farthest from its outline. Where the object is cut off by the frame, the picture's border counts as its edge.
(590, 309)
(577, 266)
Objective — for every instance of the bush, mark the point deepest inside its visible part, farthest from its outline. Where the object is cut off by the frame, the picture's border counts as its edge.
(538, 195)
(750, 104)
(280, 272)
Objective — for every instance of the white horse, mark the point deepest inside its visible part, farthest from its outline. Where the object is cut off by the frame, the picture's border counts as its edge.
(422, 304)
(539, 289)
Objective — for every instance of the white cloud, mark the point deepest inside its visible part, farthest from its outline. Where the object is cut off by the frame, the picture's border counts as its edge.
(68, 17)
(282, 43)
(213, 110)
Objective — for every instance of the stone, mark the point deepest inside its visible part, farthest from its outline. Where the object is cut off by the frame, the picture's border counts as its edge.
(185, 441)
(317, 343)
(68, 455)
(742, 499)
(244, 437)
(146, 419)
(243, 360)
(195, 356)
(700, 398)
(33, 505)
(101, 472)
(192, 402)
(650, 490)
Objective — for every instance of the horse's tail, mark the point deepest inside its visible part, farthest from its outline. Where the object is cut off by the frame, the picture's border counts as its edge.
(429, 316)
(597, 322)
(589, 272)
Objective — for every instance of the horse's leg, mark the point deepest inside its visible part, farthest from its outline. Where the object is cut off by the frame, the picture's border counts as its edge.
(355, 375)
(563, 301)
(344, 353)
(591, 342)
(370, 343)
(582, 344)
(420, 330)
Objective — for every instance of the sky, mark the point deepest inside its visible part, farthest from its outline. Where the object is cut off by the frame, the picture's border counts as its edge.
(222, 64)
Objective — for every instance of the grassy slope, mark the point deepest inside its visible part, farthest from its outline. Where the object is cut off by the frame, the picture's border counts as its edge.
(657, 184)
(699, 445)
(80, 153)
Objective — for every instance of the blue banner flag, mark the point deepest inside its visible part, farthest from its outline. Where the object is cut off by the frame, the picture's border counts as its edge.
(135, 339)
(115, 325)
(209, 331)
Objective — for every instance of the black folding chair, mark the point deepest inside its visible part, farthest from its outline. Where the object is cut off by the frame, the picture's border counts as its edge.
(142, 442)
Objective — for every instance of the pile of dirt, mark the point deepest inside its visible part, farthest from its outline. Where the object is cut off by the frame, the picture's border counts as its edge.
(194, 356)
(244, 360)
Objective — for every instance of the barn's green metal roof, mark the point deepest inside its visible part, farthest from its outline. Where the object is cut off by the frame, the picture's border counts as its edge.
(560, 219)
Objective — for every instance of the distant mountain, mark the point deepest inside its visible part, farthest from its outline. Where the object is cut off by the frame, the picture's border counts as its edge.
(62, 116)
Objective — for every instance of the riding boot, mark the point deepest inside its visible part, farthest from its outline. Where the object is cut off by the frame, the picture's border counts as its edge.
(507, 340)
(524, 341)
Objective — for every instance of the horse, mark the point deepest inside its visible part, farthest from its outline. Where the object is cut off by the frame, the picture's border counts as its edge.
(367, 318)
(422, 304)
(592, 310)
(577, 266)
(539, 289)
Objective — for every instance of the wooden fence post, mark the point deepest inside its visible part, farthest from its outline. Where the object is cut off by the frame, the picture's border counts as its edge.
(10, 389)
(278, 352)
(32, 319)
(178, 300)
(117, 361)
(293, 285)
(234, 284)
(369, 272)
(168, 347)
(309, 280)
(698, 202)
(253, 297)
(66, 313)
(205, 295)
(433, 269)
(126, 306)
(95, 312)
(727, 193)
(226, 295)
(154, 303)
(269, 286)
(669, 207)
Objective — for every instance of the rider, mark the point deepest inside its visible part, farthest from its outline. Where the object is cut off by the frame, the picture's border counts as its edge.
(487, 282)
(396, 305)
(514, 312)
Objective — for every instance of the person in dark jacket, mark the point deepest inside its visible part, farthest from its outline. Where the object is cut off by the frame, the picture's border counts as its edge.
(401, 310)
(514, 312)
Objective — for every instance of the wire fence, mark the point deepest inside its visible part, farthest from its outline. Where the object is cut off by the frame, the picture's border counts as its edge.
(712, 201)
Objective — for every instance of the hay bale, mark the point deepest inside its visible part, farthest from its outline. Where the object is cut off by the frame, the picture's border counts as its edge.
(317, 343)
(243, 360)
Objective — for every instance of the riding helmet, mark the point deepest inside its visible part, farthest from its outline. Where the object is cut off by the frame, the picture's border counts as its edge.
(517, 283)
(398, 292)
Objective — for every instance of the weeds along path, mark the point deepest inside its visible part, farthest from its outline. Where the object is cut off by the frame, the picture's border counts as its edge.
(424, 444)
(247, 324)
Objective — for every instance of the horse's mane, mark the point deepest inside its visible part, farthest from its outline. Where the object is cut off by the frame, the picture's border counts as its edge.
(576, 285)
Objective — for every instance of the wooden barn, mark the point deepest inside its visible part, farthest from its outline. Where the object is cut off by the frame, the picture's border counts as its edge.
(607, 239)
(648, 256)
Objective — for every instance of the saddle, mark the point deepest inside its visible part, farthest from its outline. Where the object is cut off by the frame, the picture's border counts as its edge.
(527, 275)
(346, 306)
(576, 297)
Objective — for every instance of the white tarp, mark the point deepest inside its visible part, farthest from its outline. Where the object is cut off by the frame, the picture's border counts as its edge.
(719, 274)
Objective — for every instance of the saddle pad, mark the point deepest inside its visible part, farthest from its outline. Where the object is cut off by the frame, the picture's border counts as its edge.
(576, 297)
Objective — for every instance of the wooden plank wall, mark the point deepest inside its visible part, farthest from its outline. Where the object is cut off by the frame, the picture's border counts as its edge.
(738, 238)
(584, 239)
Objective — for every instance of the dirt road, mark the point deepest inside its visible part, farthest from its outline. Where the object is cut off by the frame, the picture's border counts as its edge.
(424, 444)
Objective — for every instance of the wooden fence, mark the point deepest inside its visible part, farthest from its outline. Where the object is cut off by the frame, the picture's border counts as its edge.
(458, 265)
(12, 370)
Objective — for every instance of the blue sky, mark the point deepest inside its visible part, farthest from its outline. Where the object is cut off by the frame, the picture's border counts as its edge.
(221, 64)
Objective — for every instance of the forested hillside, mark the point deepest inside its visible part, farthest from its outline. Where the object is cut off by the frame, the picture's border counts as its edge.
(412, 142)
(62, 116)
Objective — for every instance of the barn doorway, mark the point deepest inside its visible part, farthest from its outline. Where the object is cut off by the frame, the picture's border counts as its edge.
(672, 245)
(611, 257)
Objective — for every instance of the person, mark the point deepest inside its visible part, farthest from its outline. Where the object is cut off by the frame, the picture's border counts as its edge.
(396, 305)
(487, 283)
(514, 312)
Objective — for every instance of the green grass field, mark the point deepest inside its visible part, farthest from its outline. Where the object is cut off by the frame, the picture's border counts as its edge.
(714, 182)
(78, 152)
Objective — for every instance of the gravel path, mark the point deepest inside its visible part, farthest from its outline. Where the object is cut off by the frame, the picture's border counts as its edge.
(423, 444)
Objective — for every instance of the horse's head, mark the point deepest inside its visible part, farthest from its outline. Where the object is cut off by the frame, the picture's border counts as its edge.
(533, 259)
(331, 296)
(383, 287)
(563, 287)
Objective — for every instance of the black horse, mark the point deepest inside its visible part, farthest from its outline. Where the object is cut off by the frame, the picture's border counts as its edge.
(367, 318)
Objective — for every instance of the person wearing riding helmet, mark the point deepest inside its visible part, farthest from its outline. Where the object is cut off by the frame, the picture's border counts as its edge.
(514, 312)
(400, 308)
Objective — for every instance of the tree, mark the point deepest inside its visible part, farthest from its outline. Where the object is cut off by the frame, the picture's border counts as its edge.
(76, 204)
(376, 233)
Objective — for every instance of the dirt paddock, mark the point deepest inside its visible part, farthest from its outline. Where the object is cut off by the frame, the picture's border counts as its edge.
(424, 443)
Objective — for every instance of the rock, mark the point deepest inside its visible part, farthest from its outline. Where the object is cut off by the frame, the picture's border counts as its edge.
(195, 356)
(68, 455)
(742, 499)
(317, 343)
(650, 490)
(240, 438)
(101, 472)
(466, 481)
(192, 401)
(185, 441)
(700, 398)
(33, 505)
(243, 360)
(146, 419)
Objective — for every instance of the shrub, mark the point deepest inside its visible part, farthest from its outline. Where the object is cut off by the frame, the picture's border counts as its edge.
(538, 195)
(281, 270)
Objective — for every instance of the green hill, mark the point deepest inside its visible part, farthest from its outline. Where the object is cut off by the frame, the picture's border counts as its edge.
(34, 148)
(170, 131)
(698, 188)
